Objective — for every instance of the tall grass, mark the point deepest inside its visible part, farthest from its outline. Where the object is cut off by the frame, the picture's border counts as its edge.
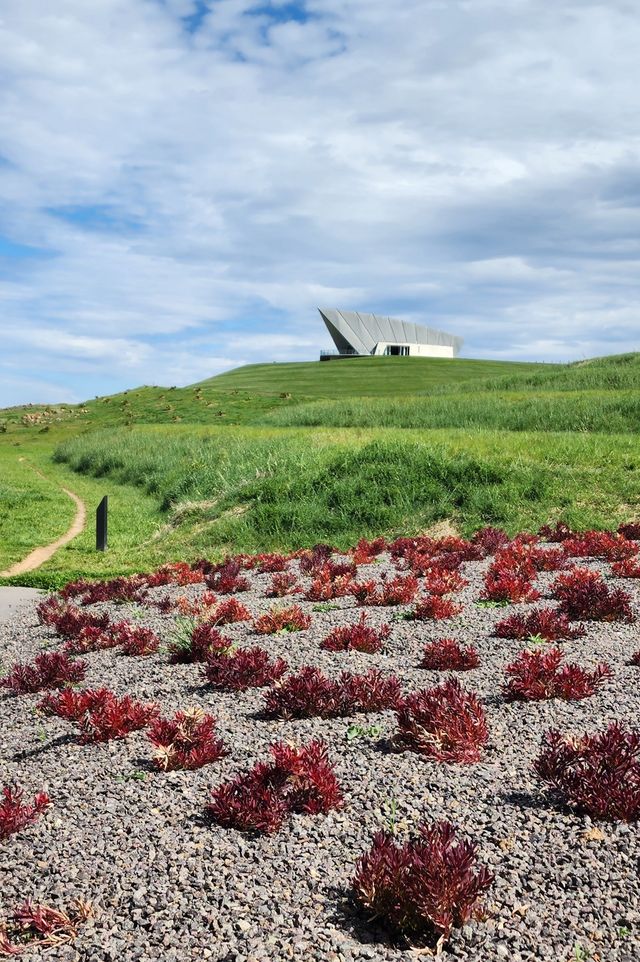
(597, 411)
(260, 491)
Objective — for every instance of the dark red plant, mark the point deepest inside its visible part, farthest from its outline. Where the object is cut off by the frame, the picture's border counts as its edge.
(446, 654)
(311, 560)
(440, 582)
(490, 539)
(175, 573)
(186, 741)
(545, 623)
(503, 585)
(599, 544)
(99, 714)
(268, 563)
(395, 591)
(117, 590)
(635, 659)
(583, 594)
(228, 612)
(630, 530)
(559, 532)
(358, 637)
(53, 670)
(34, 924)
(434, 608)
(227, 579)
(283, 583)
(68, 620)
(16, 814)
(548, 559)
(327, 584)
(241, 669)
(298, 780)
(282, 619)
(135, 640)
(629, 568)
(598, 773)
(366, 551)
(204, 639)
(310, 694)
(445, 723)
(91, 639)
(537, 675)
(424, 888)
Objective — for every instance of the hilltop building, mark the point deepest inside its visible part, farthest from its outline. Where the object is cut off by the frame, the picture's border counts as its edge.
(361, 335)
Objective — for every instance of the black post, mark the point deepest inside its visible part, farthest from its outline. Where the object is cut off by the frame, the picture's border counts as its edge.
(101, 524)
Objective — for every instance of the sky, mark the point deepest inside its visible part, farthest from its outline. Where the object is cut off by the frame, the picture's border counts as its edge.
(183, 182)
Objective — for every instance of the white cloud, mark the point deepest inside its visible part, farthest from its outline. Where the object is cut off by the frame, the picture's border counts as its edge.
(470, 164)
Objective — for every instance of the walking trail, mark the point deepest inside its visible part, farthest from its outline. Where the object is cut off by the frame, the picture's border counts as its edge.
(39, 555)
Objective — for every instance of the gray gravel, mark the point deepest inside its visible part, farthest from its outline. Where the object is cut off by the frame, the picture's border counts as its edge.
(169, 886)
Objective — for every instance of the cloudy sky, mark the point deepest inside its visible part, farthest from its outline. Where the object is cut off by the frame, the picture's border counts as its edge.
(183, 182)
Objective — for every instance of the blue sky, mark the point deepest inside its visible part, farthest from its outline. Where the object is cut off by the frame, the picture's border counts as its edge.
(183, 182)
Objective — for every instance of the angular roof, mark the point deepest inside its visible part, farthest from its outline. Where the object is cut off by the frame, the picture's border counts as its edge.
(352, 330)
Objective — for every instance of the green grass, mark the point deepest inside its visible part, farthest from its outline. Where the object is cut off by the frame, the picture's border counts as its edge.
(364, 377)
(255, 489)
(614, 411)
(278, 456)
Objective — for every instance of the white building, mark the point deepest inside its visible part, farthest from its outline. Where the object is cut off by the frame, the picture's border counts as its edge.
(359, 335)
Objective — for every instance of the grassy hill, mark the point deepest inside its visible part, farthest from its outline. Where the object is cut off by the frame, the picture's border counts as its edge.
(279, 455)
(364, 376)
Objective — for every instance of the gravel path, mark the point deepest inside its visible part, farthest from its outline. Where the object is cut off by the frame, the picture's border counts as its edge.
(170, 886)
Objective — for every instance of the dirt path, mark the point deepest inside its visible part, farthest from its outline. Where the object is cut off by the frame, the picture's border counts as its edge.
(39, 555)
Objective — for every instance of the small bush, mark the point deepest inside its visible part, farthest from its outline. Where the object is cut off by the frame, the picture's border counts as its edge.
(189, 647)
(136, 640)
(241, 669)
(283, 583)
(366, 551)
(92, 639)
(310, 694)
(635, 659)
(117, 590)
(447, 655)
(504, 585)
(490, 539)
(445, 723)
(424, 888)
(99, 714)
(358, 637)
(298, 780)
(15, 814)
(440, 582)
(629, 568)
(545, 623)
(598, 774)
(434, 608)
(186, 741)
(327, 584)
(558, 533)
(268, 563)
(67, 620)
(395, 591)
(228, 612)
(599, 544)
(312, 560)
(582, 593)
(227, 579)
(282, 619)
(33, 924)
(631, 530)
(53, 670)
(537, 675)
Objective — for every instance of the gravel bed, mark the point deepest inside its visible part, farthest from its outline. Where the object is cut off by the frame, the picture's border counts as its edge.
(170, 886)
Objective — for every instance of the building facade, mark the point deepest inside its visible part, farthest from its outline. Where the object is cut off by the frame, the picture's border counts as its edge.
(362, 335)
